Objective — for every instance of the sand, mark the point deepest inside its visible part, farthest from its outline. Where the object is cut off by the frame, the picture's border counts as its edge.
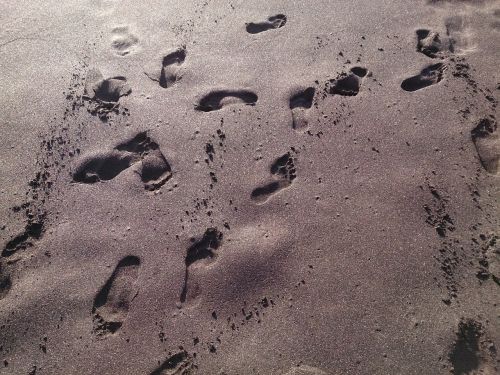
(266, 187)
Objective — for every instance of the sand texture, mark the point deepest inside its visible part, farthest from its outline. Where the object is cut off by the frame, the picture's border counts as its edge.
(249, 187)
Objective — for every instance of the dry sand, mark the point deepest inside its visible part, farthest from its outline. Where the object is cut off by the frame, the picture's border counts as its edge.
(249, 187)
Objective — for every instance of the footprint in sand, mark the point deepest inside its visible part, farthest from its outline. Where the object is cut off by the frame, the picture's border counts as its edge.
(201, 250)
(167, 71)
(273, 22)
(283, 171)
(5, 282)
(141, 151)
(33, 230)
(177, 364)
(348, 84)
(487, 141)
(300, 102)
(472, 353)
(218, 99)
(428, 76)
(430, 44)
(108, 90)
(123, 42)
(112, 303)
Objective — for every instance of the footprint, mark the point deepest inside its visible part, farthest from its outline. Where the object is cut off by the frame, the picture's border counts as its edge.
(200, 250)
(113, 301)
(33, 231)
(283, 170)
(348, 84)
(168, 72)
(472, 352)
(5, 282)
(123, 42)
(428, 76)
(487, 141)
(154, 168)
(299, 104)
(273, 22)
(177, 364)
(215, 100)
(429, 43)
(108, 90)
(102, 167)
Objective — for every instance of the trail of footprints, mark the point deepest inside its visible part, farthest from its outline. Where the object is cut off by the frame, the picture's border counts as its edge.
(113, 301)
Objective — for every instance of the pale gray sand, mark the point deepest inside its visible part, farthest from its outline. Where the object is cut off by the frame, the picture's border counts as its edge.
(268, 187)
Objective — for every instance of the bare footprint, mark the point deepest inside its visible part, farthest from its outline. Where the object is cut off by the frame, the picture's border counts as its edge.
(428, 76)
(108, 90)
(299, 104)
(167, 73)
(33, 230)
(123, 42)
(200, 250)
(283, 171)
(273, 22)
(112, 303)
(177, 364)
(218, 99)
(348, 84)
(103, 167)
(487, 141)
(430, 44)
(154, 168)
(471, 352)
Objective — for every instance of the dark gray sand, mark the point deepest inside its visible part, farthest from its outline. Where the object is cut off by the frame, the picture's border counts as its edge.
(249, 187)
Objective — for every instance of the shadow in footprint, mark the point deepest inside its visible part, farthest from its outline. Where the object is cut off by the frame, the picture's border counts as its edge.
(199, 250)
(273, 22)
(348, 84)
(112, 303)
(299, 104)
(428, 76)
(487, 142)
(177, 364)
(282, 169)
(216, 100)
(154, 171)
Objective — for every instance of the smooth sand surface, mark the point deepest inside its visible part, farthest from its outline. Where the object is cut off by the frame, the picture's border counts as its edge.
(249, 187)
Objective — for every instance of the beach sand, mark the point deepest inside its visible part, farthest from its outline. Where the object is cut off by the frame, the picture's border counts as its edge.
(235, 187)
